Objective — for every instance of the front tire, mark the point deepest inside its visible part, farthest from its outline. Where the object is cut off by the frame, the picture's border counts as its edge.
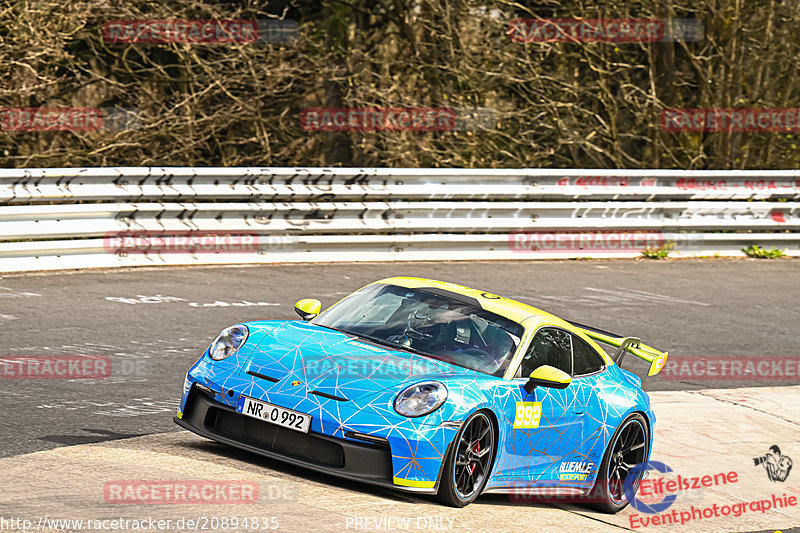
(469, 462)
(627, 451)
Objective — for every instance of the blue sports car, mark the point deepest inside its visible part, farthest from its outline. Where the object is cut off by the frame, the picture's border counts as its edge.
(432, 387)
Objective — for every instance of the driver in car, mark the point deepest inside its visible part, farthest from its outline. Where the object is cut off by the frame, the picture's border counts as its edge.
(445, 332)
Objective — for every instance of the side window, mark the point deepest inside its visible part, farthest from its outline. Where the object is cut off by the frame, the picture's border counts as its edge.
(550, 346)
(585, 359)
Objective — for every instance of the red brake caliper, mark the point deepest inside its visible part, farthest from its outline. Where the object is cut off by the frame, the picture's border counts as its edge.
(476, 449)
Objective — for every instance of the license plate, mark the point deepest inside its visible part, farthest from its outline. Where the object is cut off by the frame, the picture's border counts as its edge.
(274, 414)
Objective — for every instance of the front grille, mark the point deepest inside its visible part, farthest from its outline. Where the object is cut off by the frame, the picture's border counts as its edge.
(274, 438)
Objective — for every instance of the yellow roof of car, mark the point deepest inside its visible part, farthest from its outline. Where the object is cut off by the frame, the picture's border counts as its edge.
(511, 309)
(532, 318)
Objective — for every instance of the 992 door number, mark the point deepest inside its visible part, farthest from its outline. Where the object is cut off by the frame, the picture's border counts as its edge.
(528, 415)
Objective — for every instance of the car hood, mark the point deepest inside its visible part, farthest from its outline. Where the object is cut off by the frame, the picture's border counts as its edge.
(330, 362)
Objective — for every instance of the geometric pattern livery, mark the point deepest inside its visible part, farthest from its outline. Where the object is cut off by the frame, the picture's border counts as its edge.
(293, 358)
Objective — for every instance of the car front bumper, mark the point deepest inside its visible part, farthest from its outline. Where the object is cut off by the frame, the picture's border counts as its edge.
(369, 462)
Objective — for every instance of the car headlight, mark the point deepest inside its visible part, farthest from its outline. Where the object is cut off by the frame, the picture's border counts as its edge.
(420, 399)
(227, 342)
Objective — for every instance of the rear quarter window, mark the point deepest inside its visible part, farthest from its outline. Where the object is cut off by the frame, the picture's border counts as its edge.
(585, 360)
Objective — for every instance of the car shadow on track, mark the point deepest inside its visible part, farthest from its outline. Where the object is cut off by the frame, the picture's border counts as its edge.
(219, 453)
(94, 436)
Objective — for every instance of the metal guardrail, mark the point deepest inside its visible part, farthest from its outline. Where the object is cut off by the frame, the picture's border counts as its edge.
(319, 184)
(80, 218)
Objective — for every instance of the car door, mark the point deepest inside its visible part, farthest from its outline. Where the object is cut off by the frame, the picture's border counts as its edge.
(579, 466)
(547, 421)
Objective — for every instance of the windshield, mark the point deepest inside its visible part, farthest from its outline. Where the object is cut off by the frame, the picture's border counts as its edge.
(431, 324)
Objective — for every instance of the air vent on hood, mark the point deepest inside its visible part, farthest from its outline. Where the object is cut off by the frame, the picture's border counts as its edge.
(329, 396)
(262, 376)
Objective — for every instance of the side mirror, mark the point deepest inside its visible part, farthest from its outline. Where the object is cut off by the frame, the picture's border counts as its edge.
(548, 376)
(307, 308)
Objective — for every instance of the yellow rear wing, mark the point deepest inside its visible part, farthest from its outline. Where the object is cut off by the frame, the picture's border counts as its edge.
(625, 345)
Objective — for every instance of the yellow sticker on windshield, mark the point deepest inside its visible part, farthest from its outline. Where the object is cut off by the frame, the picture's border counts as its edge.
(528, 415)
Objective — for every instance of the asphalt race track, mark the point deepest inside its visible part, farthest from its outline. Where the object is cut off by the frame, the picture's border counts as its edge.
(153, 323)
(65, 441)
